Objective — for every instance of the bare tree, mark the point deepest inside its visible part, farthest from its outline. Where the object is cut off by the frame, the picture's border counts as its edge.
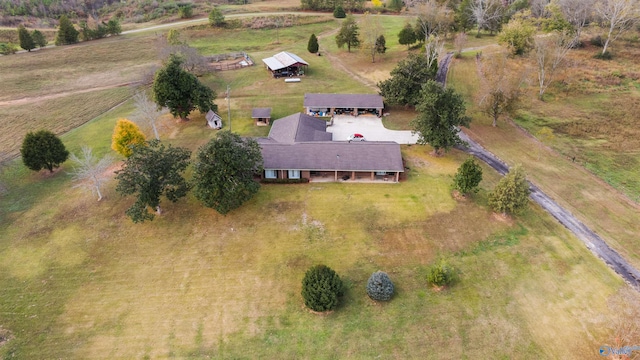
(89, 172)
(371, 29)
(539, 8)
(459, 42)
(192, 61)
(500, 86)
(619, 16)
(434, 48)
(435, 18)
(486, 12)
(549, 54)
(578, 13)
(147, 112)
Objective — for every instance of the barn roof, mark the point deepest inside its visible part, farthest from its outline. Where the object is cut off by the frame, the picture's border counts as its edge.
(360, 101)
(283, 60)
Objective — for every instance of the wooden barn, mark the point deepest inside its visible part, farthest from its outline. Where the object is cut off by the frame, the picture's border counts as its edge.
(285, 64)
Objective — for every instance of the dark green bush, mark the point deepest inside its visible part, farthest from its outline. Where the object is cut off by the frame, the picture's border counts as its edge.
(321, 288)
(440, 274)
(597, 41)
(339, 13)
(603, 56)
(380, 287)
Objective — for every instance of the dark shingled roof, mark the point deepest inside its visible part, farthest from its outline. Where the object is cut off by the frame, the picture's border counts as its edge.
(330, 156)
(299, 128)
(260, 113)
(360, 101)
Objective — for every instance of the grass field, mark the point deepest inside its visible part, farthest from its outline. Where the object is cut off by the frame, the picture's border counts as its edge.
(81, 281)
(600, 206)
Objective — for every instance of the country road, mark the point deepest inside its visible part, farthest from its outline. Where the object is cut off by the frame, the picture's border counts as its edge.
(593, 241)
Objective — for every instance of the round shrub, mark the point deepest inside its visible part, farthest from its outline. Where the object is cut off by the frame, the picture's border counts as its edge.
(321, 288)
(339, 13)
(440, 274)
(379, 286)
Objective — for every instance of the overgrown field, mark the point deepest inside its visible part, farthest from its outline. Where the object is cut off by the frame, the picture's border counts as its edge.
(80, 280)
(599, 205)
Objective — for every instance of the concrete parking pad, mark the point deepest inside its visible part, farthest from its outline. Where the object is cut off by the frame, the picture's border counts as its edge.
(370, 126)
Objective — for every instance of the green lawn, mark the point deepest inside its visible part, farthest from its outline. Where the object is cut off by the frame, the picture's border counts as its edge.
(80, 280)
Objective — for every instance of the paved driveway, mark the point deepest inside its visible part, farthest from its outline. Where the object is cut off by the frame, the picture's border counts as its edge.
(370, 126)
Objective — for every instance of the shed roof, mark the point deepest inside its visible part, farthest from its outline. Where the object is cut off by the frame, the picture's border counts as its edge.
(261, 113)
(211, 116)
(360, 101)
(299, 128)
(331, 156)
(283, 60)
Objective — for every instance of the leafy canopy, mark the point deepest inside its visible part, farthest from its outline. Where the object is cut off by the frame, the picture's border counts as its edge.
(38, 38)
(150, 172)
(180, 91)
(440, 274)
(511, 194)
(468, 177)
(312, 45)
(407, 36)
(407, 78)
(440, 112)
(321, 288)
(348, 34)
(224, 171)
(43, 150)
(216, 18)
(126, 134)
(517, 36)
(26, 40)
(67, 33)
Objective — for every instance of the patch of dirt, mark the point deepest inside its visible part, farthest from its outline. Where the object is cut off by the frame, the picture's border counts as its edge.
(5, 336)
(502, 218)
(458, 196)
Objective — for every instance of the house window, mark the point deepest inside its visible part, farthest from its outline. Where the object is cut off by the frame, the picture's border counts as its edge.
(270, 174)
(381, 173)
(294, 174)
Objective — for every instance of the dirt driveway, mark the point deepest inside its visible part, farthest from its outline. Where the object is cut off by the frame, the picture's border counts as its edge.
(370, 126)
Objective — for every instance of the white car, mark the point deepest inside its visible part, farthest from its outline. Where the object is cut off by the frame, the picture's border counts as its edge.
(356, 137)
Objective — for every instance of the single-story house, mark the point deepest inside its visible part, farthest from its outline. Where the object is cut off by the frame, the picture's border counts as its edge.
(298, 146)
(262, 116)
(285, 64)
(354, 104)
(214, 120)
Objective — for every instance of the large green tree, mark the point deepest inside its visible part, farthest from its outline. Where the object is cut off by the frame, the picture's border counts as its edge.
(26, 41)
(407, 36)
(407, 78)
(67, 33)
(348, 34)
(224, 172)
(216, 17)
(38, 38)
(180, 91)
(312, 45)
(511, 194)
(43, 150)
(150, 172)
(440, 112)
(468, 177)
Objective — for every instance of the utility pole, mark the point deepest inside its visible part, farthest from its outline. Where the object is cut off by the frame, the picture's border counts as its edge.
(229, 105)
